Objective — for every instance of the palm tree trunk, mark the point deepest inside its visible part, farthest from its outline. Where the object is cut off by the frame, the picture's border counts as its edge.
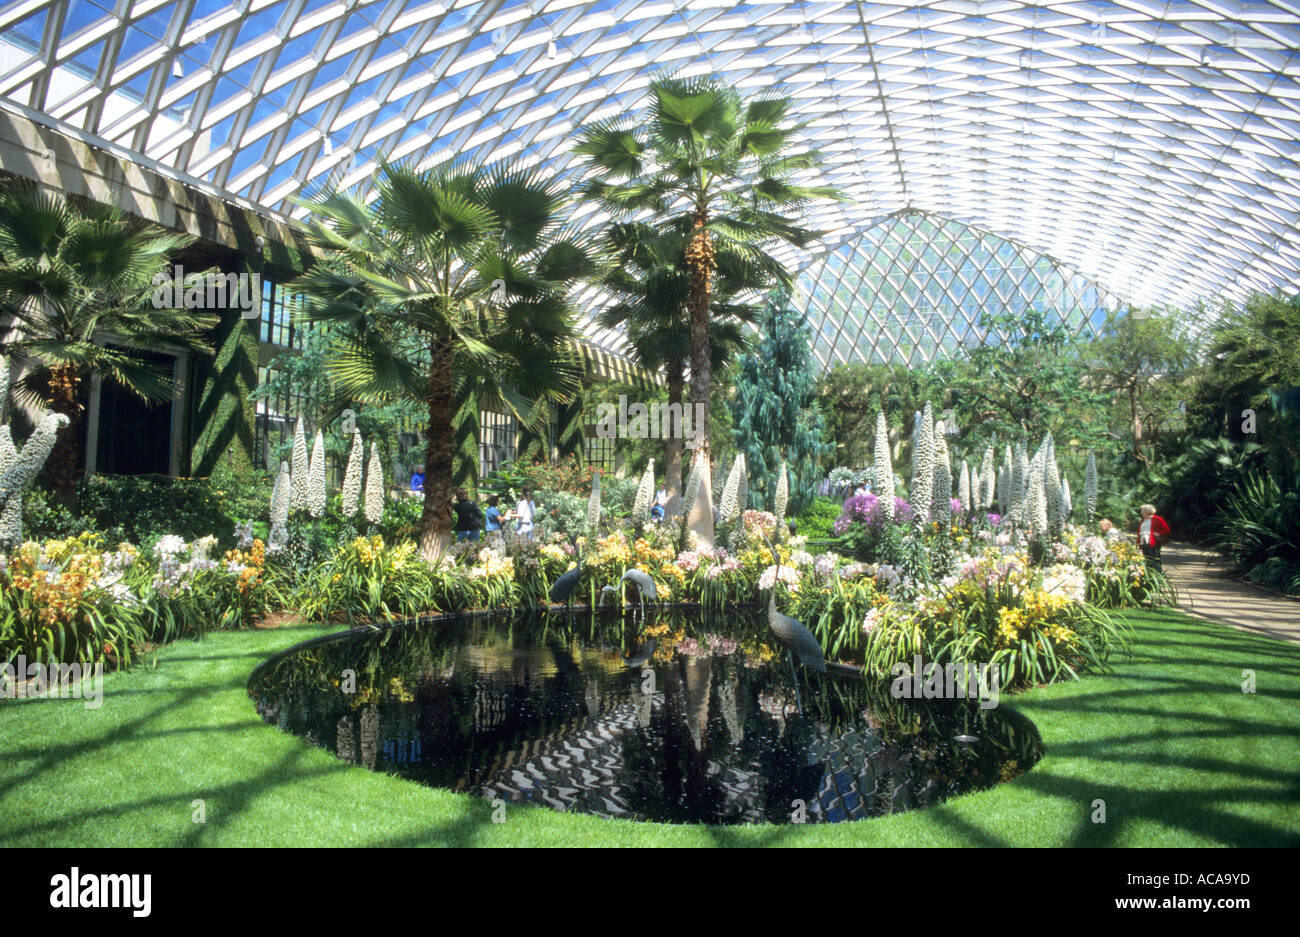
(61, 468)
(439, 483)
(676, 384)
(700, 264)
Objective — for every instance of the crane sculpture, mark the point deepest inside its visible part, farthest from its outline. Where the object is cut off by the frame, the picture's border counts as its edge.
(645, 586)
(791, 634)
(562, 589)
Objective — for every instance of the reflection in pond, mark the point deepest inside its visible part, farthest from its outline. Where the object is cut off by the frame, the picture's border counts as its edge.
(689, 719)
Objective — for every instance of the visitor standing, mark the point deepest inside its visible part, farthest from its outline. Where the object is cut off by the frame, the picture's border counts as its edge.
(1108, 529)
(524, 513)
(493, 515)
(1153, 533)
(469, 517)
(417, 479)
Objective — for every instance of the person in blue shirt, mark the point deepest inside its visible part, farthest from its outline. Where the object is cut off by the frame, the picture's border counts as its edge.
(493, 516)
(417, 479)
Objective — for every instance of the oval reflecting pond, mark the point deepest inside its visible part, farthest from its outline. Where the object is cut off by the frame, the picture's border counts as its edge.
(681, 718)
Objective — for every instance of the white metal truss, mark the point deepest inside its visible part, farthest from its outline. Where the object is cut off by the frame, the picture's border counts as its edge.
(916, 286)
(1153, 146)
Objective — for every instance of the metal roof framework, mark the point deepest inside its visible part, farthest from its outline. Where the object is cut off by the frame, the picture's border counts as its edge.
(1153, 148)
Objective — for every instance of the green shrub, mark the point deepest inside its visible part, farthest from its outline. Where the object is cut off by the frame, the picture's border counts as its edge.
(562, 512)
(818, 518)
(1260, 531)
(141, 508)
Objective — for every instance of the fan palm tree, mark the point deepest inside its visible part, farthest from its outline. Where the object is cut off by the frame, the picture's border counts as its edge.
(71, 283)
(646, 274)
(728, 165)
(452, 281)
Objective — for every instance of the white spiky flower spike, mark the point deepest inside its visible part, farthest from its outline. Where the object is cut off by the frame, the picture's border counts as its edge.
(374, 486)
(316, 493)
(1037, 498)
(963, 488)
(352, 476)
(1004, 484)
(782, 492)
(883, 470)
(941, 507)
(985, 480)
(1090, 487)
(300, 469)
(693, 482)
(923, 476)
(988, 479)
(729, 508)
(645, 493)
(593, 505)
(280, 499)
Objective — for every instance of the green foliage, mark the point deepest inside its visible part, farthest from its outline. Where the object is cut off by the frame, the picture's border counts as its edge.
(1144, 359)
(1260, 531)
(1034, 383)
(818, 518)
(717, 171)
(849, 396)
(775, 419)
(1191, 488)
(304, 375)
(139, 509)
(224, 416)
(561, 512)
(453, 279)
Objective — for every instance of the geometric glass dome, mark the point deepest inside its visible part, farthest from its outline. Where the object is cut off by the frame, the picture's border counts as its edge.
(917, 285)
(1153, 146)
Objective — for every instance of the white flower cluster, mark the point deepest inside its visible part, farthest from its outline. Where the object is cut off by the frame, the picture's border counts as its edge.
(984, 482)
(1092, 551)
(1067, 580)
(1036, 498)
(176, 569)
(788, 575)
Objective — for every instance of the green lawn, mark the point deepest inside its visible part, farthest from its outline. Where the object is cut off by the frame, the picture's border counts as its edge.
(1180, 755)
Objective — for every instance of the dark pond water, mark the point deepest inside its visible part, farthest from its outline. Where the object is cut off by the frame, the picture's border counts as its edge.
(681, 718)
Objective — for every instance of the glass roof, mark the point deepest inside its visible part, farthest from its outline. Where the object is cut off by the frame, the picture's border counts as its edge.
(916, 286)
(1151, 147)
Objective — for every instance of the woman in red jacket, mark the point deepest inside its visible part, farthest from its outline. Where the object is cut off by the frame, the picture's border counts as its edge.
(1153, 533)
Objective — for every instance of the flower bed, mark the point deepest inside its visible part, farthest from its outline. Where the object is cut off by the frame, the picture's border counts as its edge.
(75, 599)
